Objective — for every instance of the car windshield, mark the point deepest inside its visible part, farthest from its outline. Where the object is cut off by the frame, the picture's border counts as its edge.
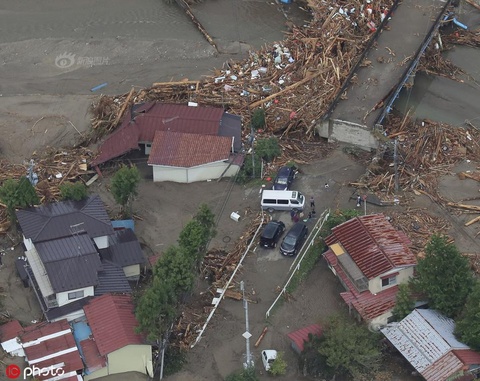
(289, 240)
(281, 180)
(300, 198)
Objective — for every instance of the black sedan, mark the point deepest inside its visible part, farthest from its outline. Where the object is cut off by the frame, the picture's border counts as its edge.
(271, 234)
(284, 179)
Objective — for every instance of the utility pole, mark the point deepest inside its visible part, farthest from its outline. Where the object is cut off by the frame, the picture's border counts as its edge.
(252, 136)
(247, 334)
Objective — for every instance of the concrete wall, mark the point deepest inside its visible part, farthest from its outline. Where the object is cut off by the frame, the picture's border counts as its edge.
(98, 373)
(190, 175)
(132, 271)
(347, 132)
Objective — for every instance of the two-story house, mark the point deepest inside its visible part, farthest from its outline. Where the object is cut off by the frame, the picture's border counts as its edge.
(62, 242)
(370, 258)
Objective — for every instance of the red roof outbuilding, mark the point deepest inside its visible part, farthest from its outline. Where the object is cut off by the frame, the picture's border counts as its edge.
(10, 330)
(301, 336)
(112, 321)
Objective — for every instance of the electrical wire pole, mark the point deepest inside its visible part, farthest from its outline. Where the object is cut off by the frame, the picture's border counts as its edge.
(247, 334)
(395, 163)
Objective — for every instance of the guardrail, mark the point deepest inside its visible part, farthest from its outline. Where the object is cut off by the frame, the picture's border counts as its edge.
(298, 260)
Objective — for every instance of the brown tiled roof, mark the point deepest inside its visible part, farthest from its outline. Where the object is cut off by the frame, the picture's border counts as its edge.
(91, 355)
(443, 368)
(468, 356)
(374, 244)
(10, 330)
(175, 149)
(112, 322)
(299, 337)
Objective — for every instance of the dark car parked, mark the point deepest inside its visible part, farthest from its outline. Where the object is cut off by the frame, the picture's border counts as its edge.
(284, 179)
(272, 233)
(294, 239)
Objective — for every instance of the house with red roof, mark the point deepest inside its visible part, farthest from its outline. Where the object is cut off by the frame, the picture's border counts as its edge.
(49, 348)
(426, 339)
(370, 258)
(185, 143)
(114, 346)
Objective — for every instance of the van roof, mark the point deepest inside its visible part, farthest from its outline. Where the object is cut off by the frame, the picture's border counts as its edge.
(267, 193)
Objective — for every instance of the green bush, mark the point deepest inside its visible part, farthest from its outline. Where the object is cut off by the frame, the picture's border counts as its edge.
(243, 375)
(73, 191)
(267, 149)
(258, 118)
(279, 366)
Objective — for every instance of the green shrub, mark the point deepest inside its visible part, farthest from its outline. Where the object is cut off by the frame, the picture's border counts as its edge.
(279, 366)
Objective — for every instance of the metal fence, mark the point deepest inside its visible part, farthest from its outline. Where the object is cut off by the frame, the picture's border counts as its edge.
(295, 267)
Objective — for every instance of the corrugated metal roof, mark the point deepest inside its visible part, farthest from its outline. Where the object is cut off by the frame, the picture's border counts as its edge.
(10, 330)
(299, 337)
(56, 220)
(175, 149)
(74, 273)
(65, 248)
(442, 369)
(124, 248)
(66, 309)
(231, 125)
(91, 355)
(374, 244)
(112, 279)
(47, 344)
(444, 326)
(113, 322)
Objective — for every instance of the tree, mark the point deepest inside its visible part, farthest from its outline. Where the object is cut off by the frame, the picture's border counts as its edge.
(73, 191)
(404, 303)
(279, 365)
(444, 276)
(17, 194)
(258, 118)
(267, 149)
(349, 348)
(468, 324)
(247, 171)
(124, 187)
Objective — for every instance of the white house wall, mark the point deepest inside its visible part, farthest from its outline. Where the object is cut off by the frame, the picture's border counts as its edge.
(97, 374)
(193, 174)
(80, 313)
(131, 358)
(101, 242)
(132, 271)
(62, 297)
(28, 243)
(404, 274)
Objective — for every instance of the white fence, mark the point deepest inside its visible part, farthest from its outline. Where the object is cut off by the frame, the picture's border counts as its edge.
(298, 260)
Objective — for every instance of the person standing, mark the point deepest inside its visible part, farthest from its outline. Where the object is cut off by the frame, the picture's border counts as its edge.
(312, 202)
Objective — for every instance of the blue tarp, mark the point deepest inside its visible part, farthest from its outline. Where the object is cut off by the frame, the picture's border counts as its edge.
(123, 224)
(81, 331)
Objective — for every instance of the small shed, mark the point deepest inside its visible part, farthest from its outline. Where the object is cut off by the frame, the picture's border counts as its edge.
(298, 338)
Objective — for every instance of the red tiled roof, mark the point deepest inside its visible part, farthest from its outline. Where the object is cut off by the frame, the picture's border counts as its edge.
(443, 368)
(299, 337)
(373, 244)
(37, 344)
(188, 150)
(91, 355)
(368, 305)
(178, 118)
(468, 356)
(152, 117)
(112, 322)
(10, 330)
(121, 141)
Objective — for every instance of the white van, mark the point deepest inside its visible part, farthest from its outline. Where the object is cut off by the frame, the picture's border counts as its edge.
(282, 200)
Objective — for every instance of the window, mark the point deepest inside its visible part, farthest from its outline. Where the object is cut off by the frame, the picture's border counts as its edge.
(389, 281)
(283, 202)
(75, 295)
(269, 201)
(294, 202)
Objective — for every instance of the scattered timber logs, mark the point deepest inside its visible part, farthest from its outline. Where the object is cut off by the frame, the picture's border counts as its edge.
(262, 335)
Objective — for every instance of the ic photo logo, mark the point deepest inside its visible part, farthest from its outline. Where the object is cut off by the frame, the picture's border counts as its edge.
(14, 372)
(65, 60)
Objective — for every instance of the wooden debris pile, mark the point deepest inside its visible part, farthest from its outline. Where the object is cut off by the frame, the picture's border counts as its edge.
(419, 226)
(463, 37)
(218, 265)
(433, 62)
(425, 151)
(474, 259)
(295, 80)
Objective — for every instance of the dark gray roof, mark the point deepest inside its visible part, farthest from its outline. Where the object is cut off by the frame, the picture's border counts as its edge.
(75, 272)
(55, 220)
(112, 279)
(65, 248)
(57, 312)
(124, 249)
(231, 125)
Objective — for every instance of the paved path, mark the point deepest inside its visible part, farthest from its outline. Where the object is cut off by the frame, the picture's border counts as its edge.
(408, 28)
